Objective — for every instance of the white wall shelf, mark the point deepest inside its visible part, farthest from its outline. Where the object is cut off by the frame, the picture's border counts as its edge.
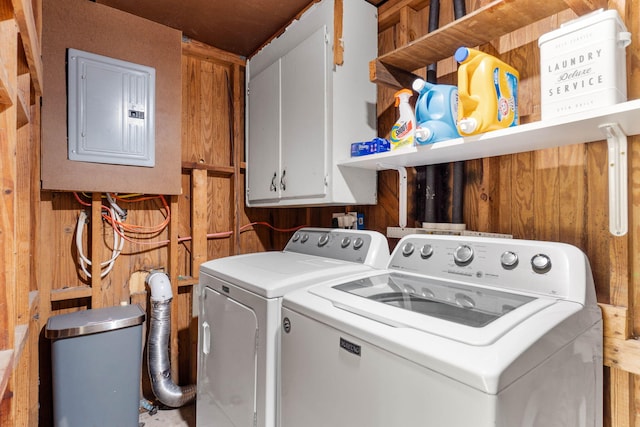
(572, 129)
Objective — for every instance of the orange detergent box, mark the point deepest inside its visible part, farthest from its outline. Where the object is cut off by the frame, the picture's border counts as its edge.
(583, 64)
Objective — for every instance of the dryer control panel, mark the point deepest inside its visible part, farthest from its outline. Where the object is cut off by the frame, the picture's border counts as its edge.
(361, 246)
(550, 268)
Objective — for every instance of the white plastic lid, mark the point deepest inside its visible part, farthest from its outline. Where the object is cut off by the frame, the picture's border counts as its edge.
(584, 22)
(418, 85)
(468, 125)
(461, 54)
(423, 134)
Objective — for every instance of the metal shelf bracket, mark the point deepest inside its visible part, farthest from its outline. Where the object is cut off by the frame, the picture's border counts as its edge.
(617, 165)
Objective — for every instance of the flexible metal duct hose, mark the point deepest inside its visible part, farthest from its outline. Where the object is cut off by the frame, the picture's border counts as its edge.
(158, 360)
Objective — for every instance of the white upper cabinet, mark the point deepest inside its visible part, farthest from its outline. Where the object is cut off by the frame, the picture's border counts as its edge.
(264, 111)
(304, 111)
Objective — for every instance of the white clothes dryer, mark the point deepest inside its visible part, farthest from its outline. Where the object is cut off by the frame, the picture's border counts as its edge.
(239, 318)
(457, 332)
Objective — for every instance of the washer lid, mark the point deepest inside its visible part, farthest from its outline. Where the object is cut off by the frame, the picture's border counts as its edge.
(468, 314)
(272, 274)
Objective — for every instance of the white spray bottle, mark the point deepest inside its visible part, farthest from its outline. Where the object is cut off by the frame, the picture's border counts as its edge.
(403, 131)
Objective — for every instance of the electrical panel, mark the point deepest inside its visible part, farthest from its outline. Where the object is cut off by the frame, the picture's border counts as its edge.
(111, 110)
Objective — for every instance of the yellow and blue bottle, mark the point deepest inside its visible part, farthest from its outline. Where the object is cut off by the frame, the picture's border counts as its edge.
(403, 131)
(487, 92)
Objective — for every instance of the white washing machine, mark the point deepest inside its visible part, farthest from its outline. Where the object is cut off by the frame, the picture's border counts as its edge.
(239, 318)
(457, 332)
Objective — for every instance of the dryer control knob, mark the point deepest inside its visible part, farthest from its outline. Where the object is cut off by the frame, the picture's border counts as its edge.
(408, 249)
(305, 237)
(541, 263)
(358, 243)
(323, 240)
(463, 255)
(426, 251)
(509, 260)
(346, 241)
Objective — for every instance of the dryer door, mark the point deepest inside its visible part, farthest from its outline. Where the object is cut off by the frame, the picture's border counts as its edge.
(227, 362)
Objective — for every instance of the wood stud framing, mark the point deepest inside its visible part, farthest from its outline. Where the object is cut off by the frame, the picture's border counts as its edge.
(20, 77)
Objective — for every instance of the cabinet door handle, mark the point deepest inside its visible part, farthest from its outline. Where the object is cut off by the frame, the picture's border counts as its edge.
(273, 182)
(283, 184)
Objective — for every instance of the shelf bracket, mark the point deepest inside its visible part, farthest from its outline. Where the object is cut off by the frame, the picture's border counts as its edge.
(617, 165)
(402, 192)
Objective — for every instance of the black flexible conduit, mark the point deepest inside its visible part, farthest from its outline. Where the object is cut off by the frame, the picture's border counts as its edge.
(432, 77)
(457, 197)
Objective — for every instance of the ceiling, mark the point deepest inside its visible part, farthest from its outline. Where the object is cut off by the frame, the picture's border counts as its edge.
(237, 26)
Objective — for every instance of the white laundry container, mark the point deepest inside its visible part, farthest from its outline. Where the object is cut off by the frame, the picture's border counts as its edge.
(583, 64)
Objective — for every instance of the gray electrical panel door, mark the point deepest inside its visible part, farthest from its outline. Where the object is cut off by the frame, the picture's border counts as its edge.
(111, 110)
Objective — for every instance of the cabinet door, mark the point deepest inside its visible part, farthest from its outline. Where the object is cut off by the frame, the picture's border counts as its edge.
(263, 154)
(304, 118)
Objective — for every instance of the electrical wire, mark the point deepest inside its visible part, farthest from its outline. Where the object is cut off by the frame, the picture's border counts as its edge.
(114, 215)
(141, 229)
(114, 205)
(118, 222)
(244, 228)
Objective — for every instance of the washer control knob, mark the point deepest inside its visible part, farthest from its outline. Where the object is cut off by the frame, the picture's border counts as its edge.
(357, 244)
(463, 255)
(346, 241)
(305, 237)
(408, 249)
(426, 251)
(323, 239)
(296, 237)
(509, 260)
(541, 263)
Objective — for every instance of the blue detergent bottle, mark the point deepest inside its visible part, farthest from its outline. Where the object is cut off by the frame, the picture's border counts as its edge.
(436, 112)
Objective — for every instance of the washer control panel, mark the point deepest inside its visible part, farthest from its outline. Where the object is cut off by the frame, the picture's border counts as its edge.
(362, 246)
(542, 267)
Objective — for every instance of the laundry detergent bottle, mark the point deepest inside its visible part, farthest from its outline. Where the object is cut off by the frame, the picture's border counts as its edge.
(436, 112)
(487, 92)
(403, 131)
